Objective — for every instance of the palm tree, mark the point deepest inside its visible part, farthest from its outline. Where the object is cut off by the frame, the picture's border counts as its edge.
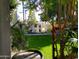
(47, 15)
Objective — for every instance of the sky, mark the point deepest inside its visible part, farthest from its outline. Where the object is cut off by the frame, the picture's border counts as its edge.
(20, 12)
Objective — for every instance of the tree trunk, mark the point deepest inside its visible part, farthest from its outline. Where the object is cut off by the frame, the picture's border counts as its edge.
(59, 12)
(4, 30)
(53, 41)
(23, 10)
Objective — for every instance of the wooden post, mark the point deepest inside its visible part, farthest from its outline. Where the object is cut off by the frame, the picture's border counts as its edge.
(4, 30)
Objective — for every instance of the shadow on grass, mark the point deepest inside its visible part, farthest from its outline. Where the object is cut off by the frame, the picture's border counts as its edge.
(38, 42)
(41, 43)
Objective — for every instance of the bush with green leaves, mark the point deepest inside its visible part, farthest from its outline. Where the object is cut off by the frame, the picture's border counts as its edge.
(18, 38)
(71, 44)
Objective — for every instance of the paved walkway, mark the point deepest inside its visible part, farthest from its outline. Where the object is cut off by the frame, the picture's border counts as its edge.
(26, 55)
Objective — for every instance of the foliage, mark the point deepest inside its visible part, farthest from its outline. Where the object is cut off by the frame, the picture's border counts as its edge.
(17, 33)
(31, 4)
(60, 11)
(12, 4)
(18, 38)
(60, 8)
(71, 42)
(32, 19)
(49, 8)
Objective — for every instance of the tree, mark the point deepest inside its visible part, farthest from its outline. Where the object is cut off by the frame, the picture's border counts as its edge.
(18, 31)
(50, 10)
(61, 11)
(64, 12)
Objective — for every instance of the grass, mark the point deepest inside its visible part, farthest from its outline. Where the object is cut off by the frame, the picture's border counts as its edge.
(41, 43)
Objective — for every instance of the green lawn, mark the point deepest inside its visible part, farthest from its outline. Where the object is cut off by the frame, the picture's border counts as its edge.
(41, 43)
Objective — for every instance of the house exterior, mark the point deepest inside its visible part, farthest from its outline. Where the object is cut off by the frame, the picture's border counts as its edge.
(40, 27)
